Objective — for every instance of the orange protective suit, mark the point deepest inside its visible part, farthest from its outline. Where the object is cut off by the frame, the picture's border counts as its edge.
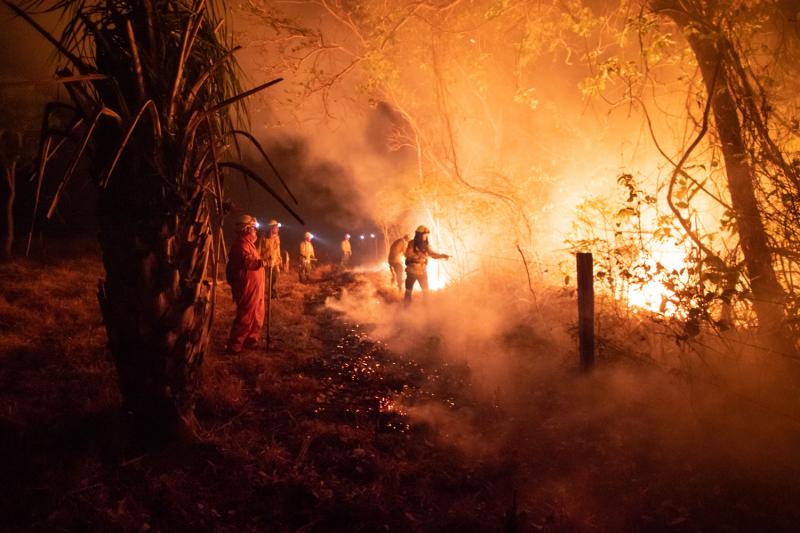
(248, 293)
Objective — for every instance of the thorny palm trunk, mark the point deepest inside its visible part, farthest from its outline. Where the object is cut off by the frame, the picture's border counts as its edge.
(768, 295)
(155, 104)
(156, 298)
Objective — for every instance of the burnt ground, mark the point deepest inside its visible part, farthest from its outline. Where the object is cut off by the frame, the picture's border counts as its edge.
(316, 435)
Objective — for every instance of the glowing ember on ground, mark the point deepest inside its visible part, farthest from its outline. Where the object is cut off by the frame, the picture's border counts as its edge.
(390, 405)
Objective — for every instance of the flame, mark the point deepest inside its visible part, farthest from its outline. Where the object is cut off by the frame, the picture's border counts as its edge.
(438, 278)
(653, 295)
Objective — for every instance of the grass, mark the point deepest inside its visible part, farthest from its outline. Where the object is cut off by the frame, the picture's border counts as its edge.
(332, 430)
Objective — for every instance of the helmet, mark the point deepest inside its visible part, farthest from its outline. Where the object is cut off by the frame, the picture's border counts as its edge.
(246, 221)
(346, 235)
(308, 235)
(423, 229)
(273, 222)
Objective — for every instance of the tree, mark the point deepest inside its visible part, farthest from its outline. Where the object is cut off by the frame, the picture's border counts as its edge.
(474, 85)
(700, 23)
(734, 68)
(20, 109)
(450, 75)
(152, 84)
(10, 153)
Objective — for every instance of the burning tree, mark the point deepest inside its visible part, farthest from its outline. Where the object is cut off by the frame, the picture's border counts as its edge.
(152, 85)
(733, 62)
(494, 142)
(444, 73)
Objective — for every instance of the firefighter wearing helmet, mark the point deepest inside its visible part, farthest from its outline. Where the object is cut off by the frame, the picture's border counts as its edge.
(395, 260)
(306, 257)
(245, 274)
(347, 250)
(270, 247)
(417, 254)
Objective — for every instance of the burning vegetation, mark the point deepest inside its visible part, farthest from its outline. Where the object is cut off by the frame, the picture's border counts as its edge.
(659, 136)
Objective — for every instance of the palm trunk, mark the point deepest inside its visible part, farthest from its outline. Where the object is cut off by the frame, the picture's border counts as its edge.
(164, 122)
(10, 152)
(156, 299)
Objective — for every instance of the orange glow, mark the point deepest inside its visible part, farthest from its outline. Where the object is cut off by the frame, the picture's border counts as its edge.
(438, 278)
(439, 269)
(652, 295)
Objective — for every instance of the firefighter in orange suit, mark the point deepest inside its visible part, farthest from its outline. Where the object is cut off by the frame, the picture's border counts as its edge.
(306, 257)
(246, 276)
(417, 254)
(395, 260)
(347, 250)
(270, 248)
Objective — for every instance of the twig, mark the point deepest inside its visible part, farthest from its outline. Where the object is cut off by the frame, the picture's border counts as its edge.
(703, 129)
(303, 450)
(235, 417)
(528, 273)
(84, 489)
(134, 460)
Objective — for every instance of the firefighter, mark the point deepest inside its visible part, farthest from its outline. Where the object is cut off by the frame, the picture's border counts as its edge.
(347, 251)
(306, 257)
(396, 252)
(246, 275)
(270, 246)
(417, 254)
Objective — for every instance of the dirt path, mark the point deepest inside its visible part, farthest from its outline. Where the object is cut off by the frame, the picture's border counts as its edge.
(325, 400)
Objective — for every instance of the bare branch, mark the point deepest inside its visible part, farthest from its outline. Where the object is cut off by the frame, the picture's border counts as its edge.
(686, 224)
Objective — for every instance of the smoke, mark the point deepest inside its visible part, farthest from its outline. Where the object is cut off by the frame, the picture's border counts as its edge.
(504, 386)
(32, 56)
(493, 140)
(484, 334)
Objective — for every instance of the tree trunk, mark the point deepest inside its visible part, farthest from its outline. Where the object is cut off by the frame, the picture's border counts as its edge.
(8, 238)
(768, 295)
(10, 152)
(156, 298)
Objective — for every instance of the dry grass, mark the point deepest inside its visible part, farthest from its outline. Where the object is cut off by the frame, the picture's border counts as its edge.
(300, 438)
(52, 343)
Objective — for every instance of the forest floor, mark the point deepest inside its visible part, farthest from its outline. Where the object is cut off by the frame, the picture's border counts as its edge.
(324, 432)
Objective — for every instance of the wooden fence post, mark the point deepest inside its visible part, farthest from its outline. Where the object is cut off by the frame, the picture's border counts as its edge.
(586, 310)
(269, 308)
